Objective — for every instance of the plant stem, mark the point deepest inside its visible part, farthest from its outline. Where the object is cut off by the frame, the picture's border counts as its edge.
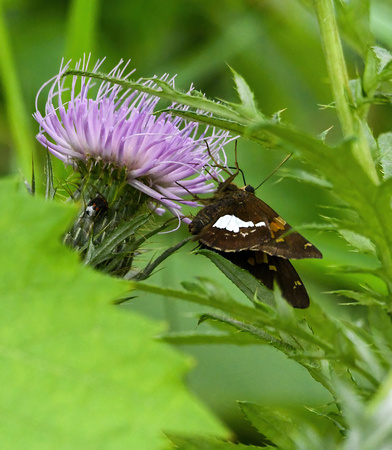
(17, 114)
(349, 120)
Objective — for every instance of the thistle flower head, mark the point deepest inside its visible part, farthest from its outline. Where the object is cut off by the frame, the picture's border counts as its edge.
(164, 156)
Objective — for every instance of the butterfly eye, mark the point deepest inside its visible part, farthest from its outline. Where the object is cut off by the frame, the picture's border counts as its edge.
(250, 189)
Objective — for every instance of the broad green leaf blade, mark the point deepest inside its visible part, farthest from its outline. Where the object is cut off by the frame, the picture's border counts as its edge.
(76, 371)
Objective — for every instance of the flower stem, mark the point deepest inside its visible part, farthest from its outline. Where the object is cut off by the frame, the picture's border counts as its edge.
(337, 70)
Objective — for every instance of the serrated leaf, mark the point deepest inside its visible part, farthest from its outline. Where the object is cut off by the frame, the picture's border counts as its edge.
(385, 146)
(76, 371)
(166, 91)
(207, 443)
(230, 125)
(246, 328)
(247, 98)
(275, 425)
(303, 175)
(384, 57)
(193, 338)
(363, 298)
(197, 294)
(369, 424)
(358, 241)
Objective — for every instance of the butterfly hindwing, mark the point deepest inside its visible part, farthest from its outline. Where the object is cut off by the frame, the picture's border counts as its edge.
(289, 282)
(267, 269)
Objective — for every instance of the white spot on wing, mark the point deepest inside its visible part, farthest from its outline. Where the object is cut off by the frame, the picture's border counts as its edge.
(233, 223)
(90, 211)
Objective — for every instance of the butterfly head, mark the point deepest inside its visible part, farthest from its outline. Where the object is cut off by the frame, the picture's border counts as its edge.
(249, 188)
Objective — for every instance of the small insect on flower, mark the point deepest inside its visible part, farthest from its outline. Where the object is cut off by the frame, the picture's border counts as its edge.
(97, 207)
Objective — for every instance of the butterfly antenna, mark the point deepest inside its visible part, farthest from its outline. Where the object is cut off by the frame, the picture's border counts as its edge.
(238, 170)
(274, 171)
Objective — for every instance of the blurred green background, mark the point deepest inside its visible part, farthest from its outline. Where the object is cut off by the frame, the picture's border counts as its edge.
(275, 46)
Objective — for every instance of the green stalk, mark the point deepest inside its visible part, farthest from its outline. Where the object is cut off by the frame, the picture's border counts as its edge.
(17, 115)
(337, 71)
(81, 28)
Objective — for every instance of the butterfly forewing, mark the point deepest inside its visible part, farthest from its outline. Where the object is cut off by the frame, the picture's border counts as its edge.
(240, 221)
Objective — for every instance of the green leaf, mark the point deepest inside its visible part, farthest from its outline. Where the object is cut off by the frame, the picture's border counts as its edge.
(384, 57)
(370, 423)
(355, 24)
(76, 371)
(165, 91)
(298, 174)
(246, 328)
(385, 146)
(275, 425)
(361, 243)
(248, 104)
(50, 190)
(363, 298)
(151, 266)
(207, 443)
(198, 293)
(105, 250)
(193, 338)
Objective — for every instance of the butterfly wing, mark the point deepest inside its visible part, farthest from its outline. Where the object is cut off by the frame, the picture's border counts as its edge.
(290, 283)
(267, 269)
(230, 225)
(249, 233)
(240, 221)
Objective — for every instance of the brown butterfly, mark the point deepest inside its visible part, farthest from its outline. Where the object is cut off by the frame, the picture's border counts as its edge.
(245, 230)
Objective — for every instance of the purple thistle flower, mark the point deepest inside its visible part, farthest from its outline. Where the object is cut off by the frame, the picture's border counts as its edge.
(163, 154)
